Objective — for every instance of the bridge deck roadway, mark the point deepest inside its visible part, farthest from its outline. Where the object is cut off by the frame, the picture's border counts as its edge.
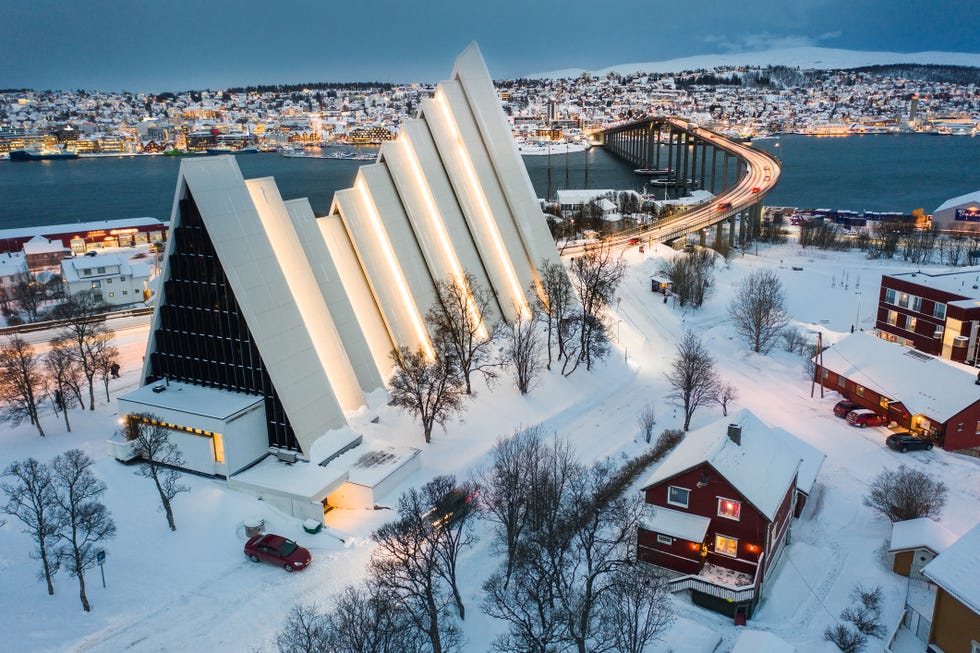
(762, 171)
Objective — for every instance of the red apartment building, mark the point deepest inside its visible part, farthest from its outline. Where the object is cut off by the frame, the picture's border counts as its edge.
(938, 314)
(719, 509)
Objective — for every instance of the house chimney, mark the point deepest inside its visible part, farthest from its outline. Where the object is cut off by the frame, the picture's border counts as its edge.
(735, 433)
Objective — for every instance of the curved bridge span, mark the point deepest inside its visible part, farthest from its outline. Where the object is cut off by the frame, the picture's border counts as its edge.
(674, 151)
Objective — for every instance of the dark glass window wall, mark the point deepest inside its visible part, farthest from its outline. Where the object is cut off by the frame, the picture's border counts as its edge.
(202, 336)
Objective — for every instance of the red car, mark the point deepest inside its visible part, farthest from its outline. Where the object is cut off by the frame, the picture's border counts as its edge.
(843, 407)
(865, 417)
(278, 550)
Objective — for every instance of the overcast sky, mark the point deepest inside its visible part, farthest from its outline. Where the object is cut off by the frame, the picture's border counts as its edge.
(160, 45)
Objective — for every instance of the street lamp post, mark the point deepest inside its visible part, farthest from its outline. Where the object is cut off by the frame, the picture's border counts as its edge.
(857, 318)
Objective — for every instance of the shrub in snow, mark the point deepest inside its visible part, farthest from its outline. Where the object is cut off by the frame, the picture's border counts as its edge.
(904, 493)
(847, 640)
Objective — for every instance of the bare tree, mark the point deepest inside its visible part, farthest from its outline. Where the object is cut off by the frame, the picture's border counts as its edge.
(904, 493)
(31, 499)
(23, 385)
(758, 310)
(429, 389)
(692, 376)
(86, 522)
(847, 640)
(596, 275)
(407, 564)
(603, 532)
(368, 619)
(527, 603)
(160, 457)
(636, 609)
(28, 293)
(105, 357)
(451, 507)
(557, 302)
(690, 275)
(727, 393)
(508, 490)
(647, 418)
(65, 376)
(460, 320)
(523, 351)
(87, 333)
(531, 599)
(307, 630)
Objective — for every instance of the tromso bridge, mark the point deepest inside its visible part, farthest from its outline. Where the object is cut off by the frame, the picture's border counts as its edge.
(674, 152)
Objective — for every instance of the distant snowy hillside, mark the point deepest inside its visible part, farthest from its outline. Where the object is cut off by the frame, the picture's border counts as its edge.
(823, 58)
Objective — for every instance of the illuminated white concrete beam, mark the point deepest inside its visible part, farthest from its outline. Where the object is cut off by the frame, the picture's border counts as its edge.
(305, 291)
(357, 290)
(471, 73)
(476, 209)
(380, 189)
(352, 338)
(376, 255)
(418, 149)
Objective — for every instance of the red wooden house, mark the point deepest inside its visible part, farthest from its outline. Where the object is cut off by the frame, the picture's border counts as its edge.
(720, 507)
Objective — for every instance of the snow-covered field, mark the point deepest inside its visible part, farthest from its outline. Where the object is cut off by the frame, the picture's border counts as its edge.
(193, 590)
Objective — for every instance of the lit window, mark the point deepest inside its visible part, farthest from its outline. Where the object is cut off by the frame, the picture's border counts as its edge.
(910, 323)
(219, 447)
(859, 390)
(109, 280)
(664, 539)
(112, 294)
(726, 546)
(892, 318)
(903, 300)
(678, 496)
(728, 508)
(883, 402)
(96, 284)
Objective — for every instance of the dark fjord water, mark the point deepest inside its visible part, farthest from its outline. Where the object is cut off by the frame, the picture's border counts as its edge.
(874, 172)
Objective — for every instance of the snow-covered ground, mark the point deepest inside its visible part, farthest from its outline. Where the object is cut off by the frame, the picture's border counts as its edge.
(193, 590)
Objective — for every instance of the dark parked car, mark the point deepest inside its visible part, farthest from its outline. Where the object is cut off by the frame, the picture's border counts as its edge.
(842, 408)
(864, 417)
(907, 442)
(278, 550)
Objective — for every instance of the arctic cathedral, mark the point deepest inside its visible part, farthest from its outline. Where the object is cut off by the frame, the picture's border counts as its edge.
(272, 323)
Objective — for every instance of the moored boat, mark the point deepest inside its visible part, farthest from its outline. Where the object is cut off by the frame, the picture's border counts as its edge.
(40, 155)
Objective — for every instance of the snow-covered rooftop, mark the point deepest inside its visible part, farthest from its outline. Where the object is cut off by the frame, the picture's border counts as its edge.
(957, 569)
(41, 245)
(926, 385)
(299, 479)
(194, 399)
(581, 196)
(675, 523)
(762, 467)
(82, 227)
(969, 198)
(963, 282)
(920, 533)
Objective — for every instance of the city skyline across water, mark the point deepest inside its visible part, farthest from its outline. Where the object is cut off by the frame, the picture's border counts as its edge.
(879, 173)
